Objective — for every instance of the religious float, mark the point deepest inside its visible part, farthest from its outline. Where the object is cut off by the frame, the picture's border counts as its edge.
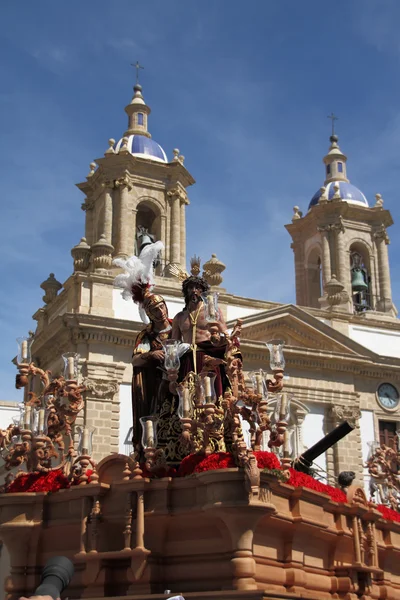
(195, 509)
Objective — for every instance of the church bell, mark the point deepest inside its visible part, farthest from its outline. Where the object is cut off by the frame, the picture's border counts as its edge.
(358, 282)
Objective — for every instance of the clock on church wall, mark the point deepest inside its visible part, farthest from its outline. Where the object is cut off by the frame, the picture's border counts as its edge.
(388, 396)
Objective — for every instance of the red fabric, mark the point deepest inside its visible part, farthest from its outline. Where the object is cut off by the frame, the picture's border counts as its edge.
(388, 513)
(166, 472)
(39, 482)
(189, 463)
(298, 479)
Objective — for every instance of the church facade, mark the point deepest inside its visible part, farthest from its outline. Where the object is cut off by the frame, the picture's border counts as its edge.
(342, 337)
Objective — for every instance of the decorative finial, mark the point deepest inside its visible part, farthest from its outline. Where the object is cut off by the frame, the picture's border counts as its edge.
(379, 201)
(297, 213)
(110, 150)
(92, 169)
(124, 146)
(336, 195)
(323, 199)
(212, 270)
(181, 159)
(175, 152)
(334, 118)
(51, 288)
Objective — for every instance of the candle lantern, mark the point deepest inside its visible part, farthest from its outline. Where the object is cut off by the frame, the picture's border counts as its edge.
(211, 311)
(149, 432)
(185, 408)
(85, 446)
(282, 408)
(28, 417)
(39, 421)
(277, 360)
(207, 388)
(172, 351)
(71, 360)
(259, 381)
(24, 350)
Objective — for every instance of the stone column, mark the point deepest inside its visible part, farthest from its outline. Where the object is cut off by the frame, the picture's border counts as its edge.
(343, 269)
(175, 243)
(346, 455)
(184, 202)
(326, 256)
(164, 254)
(133, 222)
(123, 222)
(87, 206)
(102, 407)
(108, 216)
(385, 289)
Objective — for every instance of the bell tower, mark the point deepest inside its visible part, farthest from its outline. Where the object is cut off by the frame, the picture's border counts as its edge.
(341, 246)
(134, 195)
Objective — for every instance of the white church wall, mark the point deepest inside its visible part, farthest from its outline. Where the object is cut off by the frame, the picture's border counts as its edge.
(313, 431)
(367, 435)
(8, 410)
(238, 312)
(128, 310)
(381, 341)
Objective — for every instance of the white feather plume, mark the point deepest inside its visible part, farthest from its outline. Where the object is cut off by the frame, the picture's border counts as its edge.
(137, 269)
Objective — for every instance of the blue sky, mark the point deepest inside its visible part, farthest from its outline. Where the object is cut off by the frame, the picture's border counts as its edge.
(243, 89)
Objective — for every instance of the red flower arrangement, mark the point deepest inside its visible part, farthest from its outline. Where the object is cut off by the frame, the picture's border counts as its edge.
(39, 482)
(298, 479)
(267, 460)
(388, 513)
(198, 463)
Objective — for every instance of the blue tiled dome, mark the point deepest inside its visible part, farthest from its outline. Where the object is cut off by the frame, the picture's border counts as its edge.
(348, 193)
(140, 145)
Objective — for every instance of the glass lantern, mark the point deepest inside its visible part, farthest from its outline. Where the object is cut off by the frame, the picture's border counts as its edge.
(211, 311)
(85, 446)
(18, 420)
(71, 360)
(24, 350)
(276, 358)
(207, 387)
(16, 439)
(149, 431)
(172, 351)
(258, 379)
(185, 408)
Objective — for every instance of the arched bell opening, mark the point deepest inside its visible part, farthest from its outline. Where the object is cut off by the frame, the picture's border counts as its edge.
(148, 226)
(360, 271)
(314, 277)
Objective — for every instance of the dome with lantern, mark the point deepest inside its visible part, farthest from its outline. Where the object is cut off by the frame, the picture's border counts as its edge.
(137, 139)
(335, 170)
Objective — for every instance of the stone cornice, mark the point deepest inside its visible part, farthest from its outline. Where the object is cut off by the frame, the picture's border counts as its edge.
(354, 217)
(309, 359)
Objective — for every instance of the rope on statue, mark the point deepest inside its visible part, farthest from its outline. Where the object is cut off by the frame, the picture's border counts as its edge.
(193, 320)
